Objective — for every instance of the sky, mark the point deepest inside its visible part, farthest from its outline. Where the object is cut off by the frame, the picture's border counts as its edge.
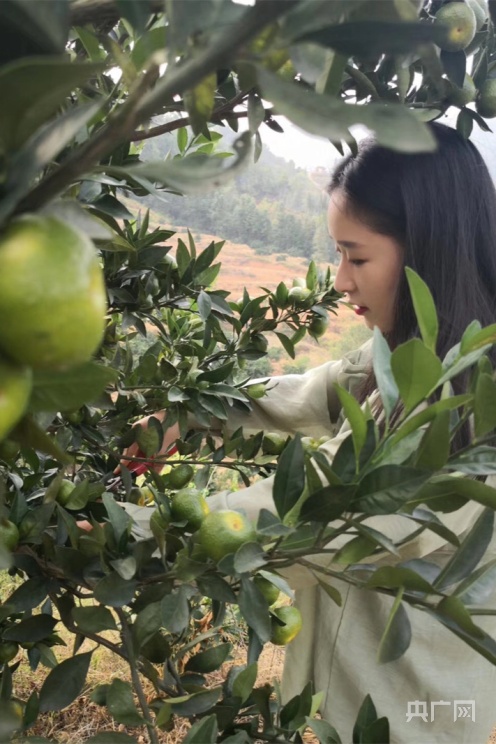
(307, 151)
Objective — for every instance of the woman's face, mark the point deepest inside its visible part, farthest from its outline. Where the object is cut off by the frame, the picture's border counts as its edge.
(370, 268)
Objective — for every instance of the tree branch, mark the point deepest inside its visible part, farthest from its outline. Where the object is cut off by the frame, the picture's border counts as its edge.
(102, 11)
(142, 104)
(171, 126)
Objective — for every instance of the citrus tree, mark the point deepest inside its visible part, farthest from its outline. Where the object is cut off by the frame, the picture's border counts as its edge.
(107, 318)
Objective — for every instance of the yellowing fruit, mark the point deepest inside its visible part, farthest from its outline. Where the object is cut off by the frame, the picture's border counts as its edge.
(223, 532)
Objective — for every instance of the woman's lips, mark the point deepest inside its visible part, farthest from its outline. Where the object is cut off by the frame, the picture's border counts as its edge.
(360, 309)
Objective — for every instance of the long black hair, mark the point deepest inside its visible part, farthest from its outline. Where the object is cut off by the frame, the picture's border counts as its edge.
(441, 208)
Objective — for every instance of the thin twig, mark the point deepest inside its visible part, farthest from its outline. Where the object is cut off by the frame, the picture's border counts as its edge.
(128, 644)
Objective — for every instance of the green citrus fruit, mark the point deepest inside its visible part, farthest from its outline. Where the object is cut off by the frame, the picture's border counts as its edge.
(318, 326)
(485, 103)
(466, 94)
(299, 295)
(268, 589)
(180, 475)
(8, 651)
(480, 12)
(300, 282)
(281, 635)
(273, 443)
(258, 390)
(74, 417)
(52, 293)
(223, 532)
(9, 534)
(191, 505)
(15, 389)
(9, 450)
(65, 491)
(461, 23)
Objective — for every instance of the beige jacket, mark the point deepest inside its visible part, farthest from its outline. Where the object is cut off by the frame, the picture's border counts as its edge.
(336, 649)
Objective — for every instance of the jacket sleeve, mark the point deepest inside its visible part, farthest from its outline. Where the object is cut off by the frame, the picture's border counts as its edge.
(305, 403)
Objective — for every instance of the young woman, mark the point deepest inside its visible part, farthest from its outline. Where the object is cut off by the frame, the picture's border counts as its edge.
(435, 212)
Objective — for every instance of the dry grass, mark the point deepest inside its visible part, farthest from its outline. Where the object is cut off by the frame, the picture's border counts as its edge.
(83, 719)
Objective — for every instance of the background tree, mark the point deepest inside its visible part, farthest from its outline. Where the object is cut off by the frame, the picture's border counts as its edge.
(83, 84)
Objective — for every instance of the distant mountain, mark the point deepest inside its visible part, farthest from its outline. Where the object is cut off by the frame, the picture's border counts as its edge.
(272, 206)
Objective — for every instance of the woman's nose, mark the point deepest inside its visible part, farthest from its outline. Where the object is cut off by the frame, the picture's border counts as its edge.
(343, 281)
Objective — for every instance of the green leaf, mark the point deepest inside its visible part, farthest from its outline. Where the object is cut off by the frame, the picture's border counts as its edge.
(114, 591)
(195, 705)
(34, 28)
(355, 550)
(289, 480)
(325, 733)
(387, 488)
(30, 435)
(454, 608)
(383, 373)
(192, 175)
(396, 577)
(209, 660)
(479, 340)
(216, 588)
(29, 594)
(470, 552)
(64, 683)
(478, 461)
(355, 416)
(331, 592)
(425, 309)
(32, 90)
(253, 607)
(244, 682)
(364, 38)
(121, 705)
(175, 611)
(64, 390)
(428, 414)
(327, 504)
(416, 370)
(287, 344)
(199, 102)
(136, 12)
(397, 633)
(430, 521)
(119, 519)
(30, 630)
(479, 586)
(325, 116)
(480, 641)
(484, 405)
(435, 446)
(93, 619)
(366, 716)
(204, 731)
(204, 305)
(41, 149)
(153, 41)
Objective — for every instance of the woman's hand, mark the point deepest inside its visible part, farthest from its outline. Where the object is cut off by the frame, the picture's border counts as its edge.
(154, 463)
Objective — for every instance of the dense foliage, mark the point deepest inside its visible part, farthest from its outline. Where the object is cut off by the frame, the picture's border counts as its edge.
(82, 82)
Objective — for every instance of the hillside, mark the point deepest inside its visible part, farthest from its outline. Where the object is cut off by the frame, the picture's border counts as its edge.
(244, 267)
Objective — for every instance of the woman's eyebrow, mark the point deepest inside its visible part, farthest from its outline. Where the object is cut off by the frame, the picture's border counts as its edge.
(349, 244)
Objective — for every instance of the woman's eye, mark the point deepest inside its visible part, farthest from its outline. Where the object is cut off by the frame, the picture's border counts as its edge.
(358, 262)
